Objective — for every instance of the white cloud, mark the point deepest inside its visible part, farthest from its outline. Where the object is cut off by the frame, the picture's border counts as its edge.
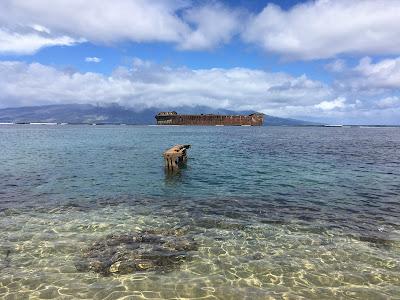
(152, 85)
(337, 66)
(327, 28)
(370, 77)
(140, 63)
(99, 20)
(331, 105)
(311, 30)
(389, 102)
(214, 24)
(29, 43)
(107, 22)
(383, 74)
(93, 59)
(147, 84)
(40, 28)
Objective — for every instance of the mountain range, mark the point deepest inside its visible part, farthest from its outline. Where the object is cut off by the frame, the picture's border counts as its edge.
(117, 114)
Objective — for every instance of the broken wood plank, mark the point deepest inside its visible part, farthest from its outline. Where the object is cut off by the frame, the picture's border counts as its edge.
(175, 156)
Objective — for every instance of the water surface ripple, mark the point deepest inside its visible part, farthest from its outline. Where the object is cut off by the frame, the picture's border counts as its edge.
(273, 212)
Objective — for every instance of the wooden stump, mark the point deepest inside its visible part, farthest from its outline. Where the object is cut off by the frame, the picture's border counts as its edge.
(175, 156)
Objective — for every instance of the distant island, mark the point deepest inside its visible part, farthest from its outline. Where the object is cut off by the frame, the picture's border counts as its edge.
(117, 114)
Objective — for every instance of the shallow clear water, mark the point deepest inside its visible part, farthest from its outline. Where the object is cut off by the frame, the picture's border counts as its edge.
(276, 212)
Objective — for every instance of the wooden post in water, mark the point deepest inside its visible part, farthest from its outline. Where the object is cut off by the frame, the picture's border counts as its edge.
(175, 156)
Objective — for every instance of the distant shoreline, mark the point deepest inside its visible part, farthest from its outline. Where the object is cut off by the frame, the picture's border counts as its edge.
(155, 125)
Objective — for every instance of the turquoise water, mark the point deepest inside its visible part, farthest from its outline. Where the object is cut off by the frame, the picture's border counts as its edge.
(269, 212)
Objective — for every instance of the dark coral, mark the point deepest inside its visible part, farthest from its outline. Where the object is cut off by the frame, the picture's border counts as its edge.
(151, 250)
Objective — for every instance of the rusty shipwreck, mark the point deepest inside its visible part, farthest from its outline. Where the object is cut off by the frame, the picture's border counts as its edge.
(173, 118)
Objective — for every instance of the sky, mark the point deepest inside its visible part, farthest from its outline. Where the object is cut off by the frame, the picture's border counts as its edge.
(331, 61)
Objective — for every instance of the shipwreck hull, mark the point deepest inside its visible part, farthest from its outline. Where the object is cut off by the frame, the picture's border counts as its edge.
(172, 118)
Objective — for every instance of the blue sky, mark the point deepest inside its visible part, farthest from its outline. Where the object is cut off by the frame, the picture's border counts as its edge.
(326, 60)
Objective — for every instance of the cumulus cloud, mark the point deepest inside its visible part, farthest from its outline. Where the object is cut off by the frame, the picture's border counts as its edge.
(146, 85)
(102, 21)
(369, 77)
(40, 28)
(29, 43)
(330, 105)
(337, 66)
(327, 28)
(310, 30)
(214, 24)
(99, 20)
(382, 74)
(389, 102)
(93, 59)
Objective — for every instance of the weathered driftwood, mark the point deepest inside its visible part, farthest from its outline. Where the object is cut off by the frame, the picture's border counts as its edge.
(175, 156)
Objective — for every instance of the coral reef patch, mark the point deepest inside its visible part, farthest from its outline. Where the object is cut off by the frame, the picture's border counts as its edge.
(125, 253)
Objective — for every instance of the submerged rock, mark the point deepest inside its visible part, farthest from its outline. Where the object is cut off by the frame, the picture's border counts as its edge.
(137, 252)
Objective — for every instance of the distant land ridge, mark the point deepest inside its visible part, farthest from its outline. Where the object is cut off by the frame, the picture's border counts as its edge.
(117, 114)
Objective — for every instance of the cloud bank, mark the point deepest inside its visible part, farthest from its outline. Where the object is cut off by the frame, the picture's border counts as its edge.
(108, 22)
(311, 30)
(327, 28)
(146, 84)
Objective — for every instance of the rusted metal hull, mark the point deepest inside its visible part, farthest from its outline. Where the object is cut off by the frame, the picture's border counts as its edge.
(211, 120)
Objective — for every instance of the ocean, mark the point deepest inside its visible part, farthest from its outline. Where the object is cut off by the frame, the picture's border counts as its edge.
(88, 212)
